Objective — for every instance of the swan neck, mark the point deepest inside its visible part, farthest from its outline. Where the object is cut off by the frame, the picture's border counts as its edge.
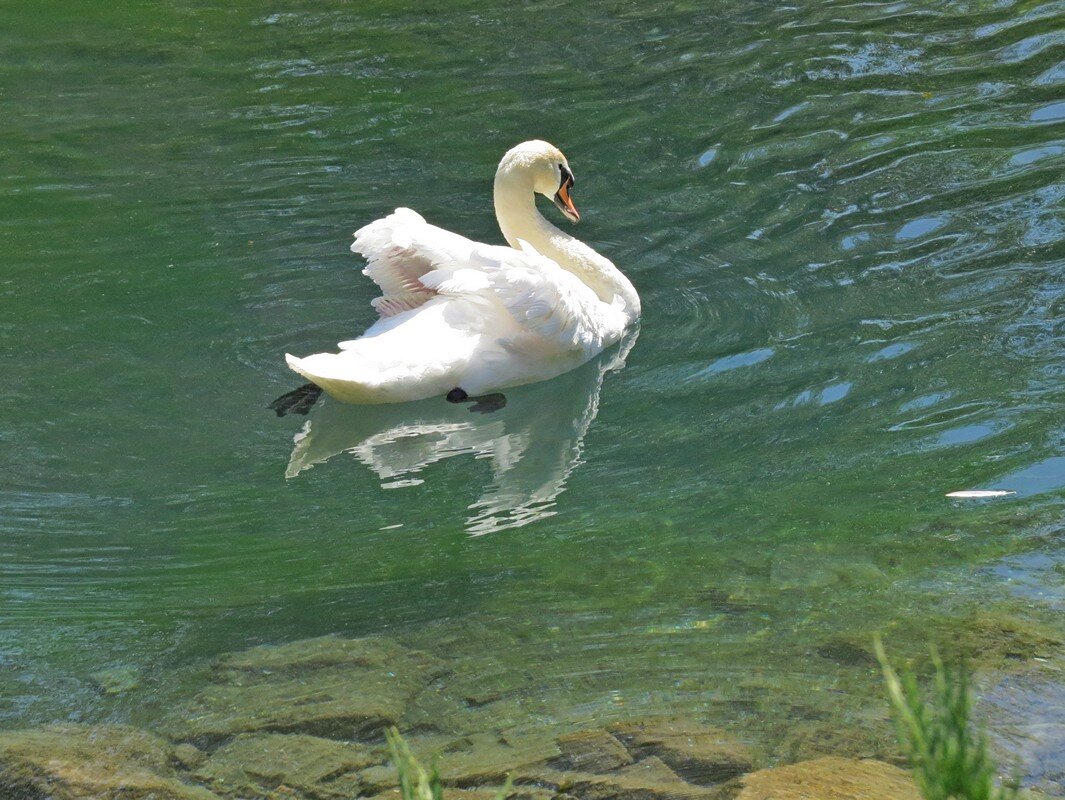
(516, 212)
(519, 218)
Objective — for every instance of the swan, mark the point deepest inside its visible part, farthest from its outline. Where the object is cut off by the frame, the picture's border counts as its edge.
(461, 319)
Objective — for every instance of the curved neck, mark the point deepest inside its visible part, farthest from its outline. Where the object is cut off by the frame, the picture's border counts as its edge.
(518, 217)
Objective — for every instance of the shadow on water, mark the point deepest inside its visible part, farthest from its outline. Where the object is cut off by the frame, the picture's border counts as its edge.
(533, 444)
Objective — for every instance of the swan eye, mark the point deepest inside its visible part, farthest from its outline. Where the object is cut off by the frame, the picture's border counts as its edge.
(566, 176)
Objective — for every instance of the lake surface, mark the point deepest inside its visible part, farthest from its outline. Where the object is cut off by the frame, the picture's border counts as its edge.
(846, 224)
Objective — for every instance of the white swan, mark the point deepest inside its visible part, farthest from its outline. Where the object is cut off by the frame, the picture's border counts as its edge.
(460, 315)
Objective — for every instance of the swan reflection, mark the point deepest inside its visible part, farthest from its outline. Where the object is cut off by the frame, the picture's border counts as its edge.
(533, 444)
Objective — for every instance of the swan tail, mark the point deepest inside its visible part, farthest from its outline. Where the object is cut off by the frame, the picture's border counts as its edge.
(340, 375)
(323, 371)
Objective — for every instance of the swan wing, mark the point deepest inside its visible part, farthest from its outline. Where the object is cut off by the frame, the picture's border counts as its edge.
(413, 262)
(399, 249)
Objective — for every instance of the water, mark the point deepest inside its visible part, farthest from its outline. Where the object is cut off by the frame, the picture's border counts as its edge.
(844, 220)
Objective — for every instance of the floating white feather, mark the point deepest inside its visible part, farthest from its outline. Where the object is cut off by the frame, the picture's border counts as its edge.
(972, 494)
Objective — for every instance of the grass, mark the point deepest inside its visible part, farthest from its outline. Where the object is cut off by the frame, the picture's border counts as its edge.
(949, 760)
(415, 782)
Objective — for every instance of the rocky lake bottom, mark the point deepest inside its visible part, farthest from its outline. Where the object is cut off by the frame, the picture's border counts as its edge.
(305, 720)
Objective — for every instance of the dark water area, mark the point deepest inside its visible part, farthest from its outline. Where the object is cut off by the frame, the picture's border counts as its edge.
(845, 222)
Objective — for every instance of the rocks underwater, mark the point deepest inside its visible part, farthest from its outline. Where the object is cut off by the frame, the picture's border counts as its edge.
(305, 721)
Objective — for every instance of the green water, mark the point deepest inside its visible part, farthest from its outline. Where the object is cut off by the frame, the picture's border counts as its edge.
(844, 219)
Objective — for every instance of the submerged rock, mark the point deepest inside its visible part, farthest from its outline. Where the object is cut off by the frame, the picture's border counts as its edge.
(488, 793)
(631, 761)
(847, 652)
(701, 755)
(188, 756)
(650, 779)
(259, 765)
(987, 639)
(488, 759)
(828, 779)
(584, 765)
(79, 762)
(331, 688)
(326, 651)
(591, 751)
(117, 680)
(990, 639)
(470, 762)
(872, 736)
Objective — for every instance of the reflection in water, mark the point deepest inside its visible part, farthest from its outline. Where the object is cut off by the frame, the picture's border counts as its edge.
(533, 444)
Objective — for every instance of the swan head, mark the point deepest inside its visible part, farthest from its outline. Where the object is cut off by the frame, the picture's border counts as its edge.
(543, 167)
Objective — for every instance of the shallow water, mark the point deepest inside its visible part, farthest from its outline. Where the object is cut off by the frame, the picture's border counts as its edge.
(845, 222)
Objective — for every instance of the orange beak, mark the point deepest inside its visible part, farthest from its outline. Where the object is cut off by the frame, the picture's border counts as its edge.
(565, 203)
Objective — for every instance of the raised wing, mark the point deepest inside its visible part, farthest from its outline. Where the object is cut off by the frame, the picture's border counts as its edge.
(399, 249)
(413, 261)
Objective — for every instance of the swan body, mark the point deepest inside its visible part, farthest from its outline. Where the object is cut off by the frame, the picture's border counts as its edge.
(458, 314)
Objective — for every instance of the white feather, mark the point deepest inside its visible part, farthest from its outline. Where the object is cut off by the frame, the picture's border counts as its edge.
(980, 493)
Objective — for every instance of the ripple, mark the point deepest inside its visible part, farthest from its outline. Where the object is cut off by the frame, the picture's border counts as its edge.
(968, 434)
(925, 401)
(727, 363)
(946, 416)
(834, 393)
(1052, 77)
(1036, 154)
(920, 227)
(963, 435)
(891, 351)
(706, 158)
(1044, 476)
(1052, 112)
